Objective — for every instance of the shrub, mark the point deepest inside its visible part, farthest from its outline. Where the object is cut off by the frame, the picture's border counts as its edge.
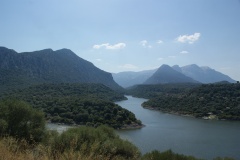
(167, 155)
(19, 120)
(94, 142)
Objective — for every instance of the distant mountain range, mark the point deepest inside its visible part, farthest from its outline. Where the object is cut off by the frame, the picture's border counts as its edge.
(18, 70)
(127, 79)
(203, 74)
(166, 74)
(175, 74)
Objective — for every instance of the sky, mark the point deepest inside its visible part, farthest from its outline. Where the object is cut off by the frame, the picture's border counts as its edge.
(128, 35)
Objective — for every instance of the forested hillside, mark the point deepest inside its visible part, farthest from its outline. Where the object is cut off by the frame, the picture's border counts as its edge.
(154, 90)
(210, 101)
(19, 70)
(23, 135)
(87, 104)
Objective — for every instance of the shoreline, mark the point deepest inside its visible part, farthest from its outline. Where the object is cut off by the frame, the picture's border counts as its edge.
(66, 126)
(209, 117)
(131, 127)
(184, 115)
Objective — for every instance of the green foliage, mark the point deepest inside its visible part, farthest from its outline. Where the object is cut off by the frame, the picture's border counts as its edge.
(77, 90)
(167, 155)
(83, 143)
(220, 101)
(151, 91)
(225, 158)
(101, 142)
(48, 66)
(83, 104)
(19, 120)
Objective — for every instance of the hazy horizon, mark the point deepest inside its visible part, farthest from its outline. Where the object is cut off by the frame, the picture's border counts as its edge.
(122, 35)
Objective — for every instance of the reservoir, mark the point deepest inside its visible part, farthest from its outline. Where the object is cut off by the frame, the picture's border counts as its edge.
(206, 139)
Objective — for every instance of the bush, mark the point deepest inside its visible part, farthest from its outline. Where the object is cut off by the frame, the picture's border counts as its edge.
(226, 158)
(19, 120)
(94, 142)
(167, 155)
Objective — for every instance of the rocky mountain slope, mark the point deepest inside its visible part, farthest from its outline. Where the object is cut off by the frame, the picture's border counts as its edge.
(48, 66)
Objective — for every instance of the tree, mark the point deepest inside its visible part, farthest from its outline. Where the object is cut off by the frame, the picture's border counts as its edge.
(19, 120)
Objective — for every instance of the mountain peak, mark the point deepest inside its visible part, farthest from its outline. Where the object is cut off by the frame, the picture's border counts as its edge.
(193, 66)
(205, 74)
(177, 68)
(206, 68)
(64, 50)
(193, 71)
(47, 50)
(166, 74)
(164, 66)
(6, 50)
(48, 66)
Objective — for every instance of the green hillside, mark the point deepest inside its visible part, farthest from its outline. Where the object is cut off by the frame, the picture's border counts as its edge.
(154, 90)
(210, 101)
(86, 104)
(19, 70)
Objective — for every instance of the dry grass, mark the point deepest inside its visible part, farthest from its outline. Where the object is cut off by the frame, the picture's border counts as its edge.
(11, 149)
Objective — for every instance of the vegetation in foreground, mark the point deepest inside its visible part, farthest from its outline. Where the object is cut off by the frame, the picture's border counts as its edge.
(81, 104)
(18, 119)
(76, 143)
(24, 136)
(156, 155)
(169, 155)
(21, 141)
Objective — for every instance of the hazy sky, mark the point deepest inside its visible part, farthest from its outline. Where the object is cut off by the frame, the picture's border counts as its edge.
(123, 35)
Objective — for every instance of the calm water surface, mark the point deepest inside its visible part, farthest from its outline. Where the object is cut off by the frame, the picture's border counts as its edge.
(59, 128)
(184, 135)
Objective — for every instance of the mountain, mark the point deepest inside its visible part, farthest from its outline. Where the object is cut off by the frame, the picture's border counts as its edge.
(200, 74)
(18, 70)
(203, 74)
(166, 74)
(177, 68)
(127, 79)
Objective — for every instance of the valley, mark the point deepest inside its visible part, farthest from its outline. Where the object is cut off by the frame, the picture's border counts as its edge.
(119, 80)
(69, 90)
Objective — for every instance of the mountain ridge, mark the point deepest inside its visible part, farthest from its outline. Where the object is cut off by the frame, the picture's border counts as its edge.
(122, 78)
(130, 78)
(48, 66)
(166, 74)
(205, 74)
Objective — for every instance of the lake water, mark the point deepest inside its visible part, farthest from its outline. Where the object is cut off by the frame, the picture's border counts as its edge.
(59, 128)
(185, 135)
